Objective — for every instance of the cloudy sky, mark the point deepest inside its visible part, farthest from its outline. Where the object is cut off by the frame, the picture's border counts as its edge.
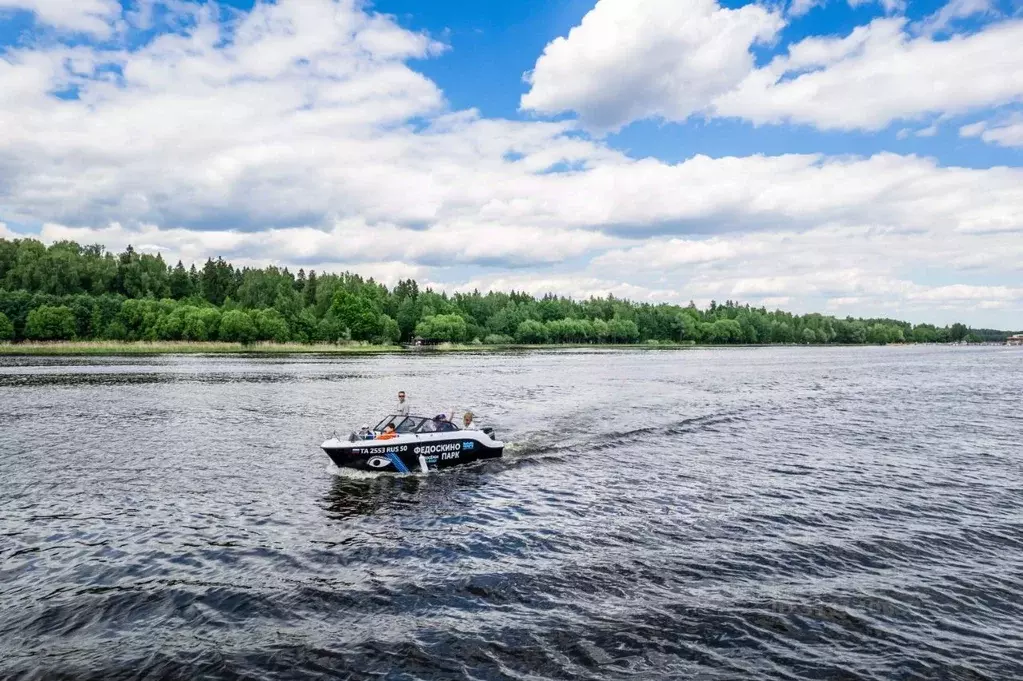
(842, 156)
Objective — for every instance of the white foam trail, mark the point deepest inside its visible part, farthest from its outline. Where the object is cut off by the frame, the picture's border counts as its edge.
(354, 473)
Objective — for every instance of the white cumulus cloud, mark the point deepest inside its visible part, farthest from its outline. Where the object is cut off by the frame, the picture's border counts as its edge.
(671, 59)
(953, 11)
(878, 74)
(1007, 132)
(629, 60)
(95, 17)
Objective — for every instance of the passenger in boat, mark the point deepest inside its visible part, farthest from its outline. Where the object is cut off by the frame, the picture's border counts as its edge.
(432, 425)
(388, 433)
(365, 433)
(468, 423)
(438, 424)
(402, 409)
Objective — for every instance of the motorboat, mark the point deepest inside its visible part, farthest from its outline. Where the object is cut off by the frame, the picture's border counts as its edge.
(417, 444)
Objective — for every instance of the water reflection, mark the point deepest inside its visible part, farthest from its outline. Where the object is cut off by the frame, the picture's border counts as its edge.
(82, 379)
(351, 496)
(360, 494)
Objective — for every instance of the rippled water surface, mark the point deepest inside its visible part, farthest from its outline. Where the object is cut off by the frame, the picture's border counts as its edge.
(775, 513)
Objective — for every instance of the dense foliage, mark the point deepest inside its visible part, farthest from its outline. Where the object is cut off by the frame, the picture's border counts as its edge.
(67, 291)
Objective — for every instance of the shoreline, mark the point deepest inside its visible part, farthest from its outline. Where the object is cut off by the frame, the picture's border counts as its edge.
(115, 348)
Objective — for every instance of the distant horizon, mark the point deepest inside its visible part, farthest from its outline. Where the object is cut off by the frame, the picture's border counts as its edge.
(848, 158)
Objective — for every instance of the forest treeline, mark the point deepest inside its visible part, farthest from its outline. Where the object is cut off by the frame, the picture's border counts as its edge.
(71, 292)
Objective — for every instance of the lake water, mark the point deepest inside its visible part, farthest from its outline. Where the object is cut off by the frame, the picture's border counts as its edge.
(772, 513)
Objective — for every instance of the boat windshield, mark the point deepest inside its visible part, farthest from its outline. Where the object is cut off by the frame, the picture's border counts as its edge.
(437, 426)
(393, 420)
(410, 424)
(414, 424)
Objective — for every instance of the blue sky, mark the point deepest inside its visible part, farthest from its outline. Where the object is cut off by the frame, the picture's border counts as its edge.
(493, 44)
(846, 157)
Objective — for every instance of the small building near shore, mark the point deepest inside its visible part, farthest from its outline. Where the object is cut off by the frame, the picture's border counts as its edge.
(419, 341)
(1015, 340)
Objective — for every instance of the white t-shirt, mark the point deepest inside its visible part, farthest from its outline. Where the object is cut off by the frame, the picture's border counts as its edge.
(402, 408)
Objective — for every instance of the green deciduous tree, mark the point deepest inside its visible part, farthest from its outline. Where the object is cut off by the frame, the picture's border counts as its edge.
(51, 323)
(443, 327)
(621, 330)
(531, 331)
(271, 326)
(6, 328)
(356, 313)
(331, 330)
(237, 327)
(200, 324)
(725, 331)
(389, 330)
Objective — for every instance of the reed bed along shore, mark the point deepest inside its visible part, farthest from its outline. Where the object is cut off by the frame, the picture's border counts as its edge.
(183, 347)
(71, 348)
(58, 348)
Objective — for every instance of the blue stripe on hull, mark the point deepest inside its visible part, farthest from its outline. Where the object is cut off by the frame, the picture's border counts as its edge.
(398, 463)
